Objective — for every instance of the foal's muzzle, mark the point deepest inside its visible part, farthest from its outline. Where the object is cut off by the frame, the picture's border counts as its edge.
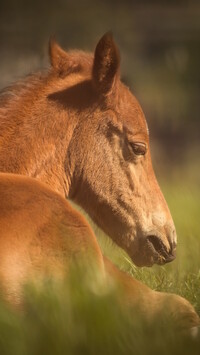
(158, 251)
(153, 249)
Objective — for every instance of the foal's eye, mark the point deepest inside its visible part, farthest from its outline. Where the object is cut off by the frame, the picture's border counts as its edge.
(138, 148)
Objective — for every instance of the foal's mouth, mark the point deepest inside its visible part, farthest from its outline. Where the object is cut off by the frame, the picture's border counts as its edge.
(152, 250)
(158, 252)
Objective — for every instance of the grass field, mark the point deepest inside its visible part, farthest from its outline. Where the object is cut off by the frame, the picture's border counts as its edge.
(76, 319)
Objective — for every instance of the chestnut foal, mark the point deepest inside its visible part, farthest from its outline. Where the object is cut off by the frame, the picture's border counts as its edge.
(77, 132)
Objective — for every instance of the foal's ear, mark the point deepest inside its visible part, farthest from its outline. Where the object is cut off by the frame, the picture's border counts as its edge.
(60, 60)
(58, 57)
(106, 64)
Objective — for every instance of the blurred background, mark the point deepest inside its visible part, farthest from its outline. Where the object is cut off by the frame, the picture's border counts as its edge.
(160, 53)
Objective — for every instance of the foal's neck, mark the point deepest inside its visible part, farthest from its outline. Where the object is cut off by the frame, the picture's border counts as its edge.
(34, 139)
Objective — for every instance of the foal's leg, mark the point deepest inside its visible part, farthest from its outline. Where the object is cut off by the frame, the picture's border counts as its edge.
(151, 304)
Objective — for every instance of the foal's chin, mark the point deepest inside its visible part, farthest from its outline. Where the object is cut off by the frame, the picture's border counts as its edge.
(147, 262)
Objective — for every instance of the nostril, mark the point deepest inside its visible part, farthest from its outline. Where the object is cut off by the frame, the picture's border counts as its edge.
(158, 245)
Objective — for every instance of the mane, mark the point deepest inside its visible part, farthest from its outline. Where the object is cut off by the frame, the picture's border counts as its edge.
(10, 95)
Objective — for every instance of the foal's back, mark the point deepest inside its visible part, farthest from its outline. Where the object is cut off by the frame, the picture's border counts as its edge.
(39, 234)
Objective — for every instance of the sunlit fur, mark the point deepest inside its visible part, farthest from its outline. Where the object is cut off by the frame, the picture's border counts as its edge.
(72, 128)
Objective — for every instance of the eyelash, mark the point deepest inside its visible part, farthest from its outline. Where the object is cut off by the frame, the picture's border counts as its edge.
(138, 148)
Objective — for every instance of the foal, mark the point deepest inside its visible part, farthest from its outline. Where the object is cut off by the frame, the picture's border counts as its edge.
(79, 130)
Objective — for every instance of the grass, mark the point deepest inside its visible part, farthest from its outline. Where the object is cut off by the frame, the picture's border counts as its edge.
(74, 317)
(83, 323)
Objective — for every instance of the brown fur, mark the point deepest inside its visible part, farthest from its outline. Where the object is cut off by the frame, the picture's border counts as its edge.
(76, 129)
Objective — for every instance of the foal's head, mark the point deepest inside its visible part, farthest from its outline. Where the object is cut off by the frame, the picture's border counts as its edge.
(111, 174)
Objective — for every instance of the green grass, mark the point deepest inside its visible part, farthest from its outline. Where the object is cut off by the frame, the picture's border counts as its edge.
(83, 322)
(76, 317)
